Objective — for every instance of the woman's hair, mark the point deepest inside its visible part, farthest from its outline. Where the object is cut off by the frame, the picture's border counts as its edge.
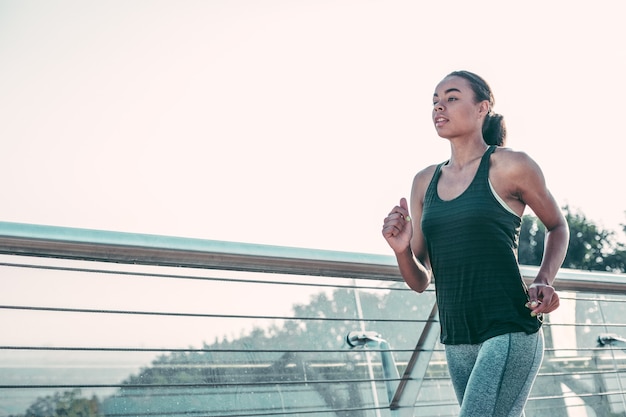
(494, 128)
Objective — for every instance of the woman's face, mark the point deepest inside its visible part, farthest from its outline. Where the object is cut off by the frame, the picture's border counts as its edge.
(455, 112)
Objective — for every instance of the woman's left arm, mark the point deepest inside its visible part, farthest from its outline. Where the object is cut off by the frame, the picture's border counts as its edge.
(532, 190)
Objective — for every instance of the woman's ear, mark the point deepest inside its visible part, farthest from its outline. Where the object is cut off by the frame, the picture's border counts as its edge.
(483, 110)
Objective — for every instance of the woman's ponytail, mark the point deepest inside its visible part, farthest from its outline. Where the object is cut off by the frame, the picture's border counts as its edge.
(494, 129)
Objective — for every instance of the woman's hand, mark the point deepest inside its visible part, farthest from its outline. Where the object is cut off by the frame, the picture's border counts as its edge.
(397, 227)
(542, 299)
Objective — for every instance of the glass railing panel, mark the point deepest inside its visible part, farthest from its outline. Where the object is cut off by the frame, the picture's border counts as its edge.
(264, 337)
(578, 373)
(171, 341)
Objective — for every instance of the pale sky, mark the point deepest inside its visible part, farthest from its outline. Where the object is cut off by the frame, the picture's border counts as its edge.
(290, 122)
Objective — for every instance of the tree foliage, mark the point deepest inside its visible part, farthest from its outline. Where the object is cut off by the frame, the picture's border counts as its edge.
(287, 353)
(591, 247)
(67, 404)
(617, 259)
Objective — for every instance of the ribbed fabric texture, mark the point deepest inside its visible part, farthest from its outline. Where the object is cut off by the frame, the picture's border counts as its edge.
(472, 242)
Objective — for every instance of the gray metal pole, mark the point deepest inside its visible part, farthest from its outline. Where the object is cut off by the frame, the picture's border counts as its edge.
(365, 339)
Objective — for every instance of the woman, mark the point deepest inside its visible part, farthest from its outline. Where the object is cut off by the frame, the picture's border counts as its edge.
(462, 230)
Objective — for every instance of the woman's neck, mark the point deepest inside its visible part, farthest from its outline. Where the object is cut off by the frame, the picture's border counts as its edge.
(465, 152)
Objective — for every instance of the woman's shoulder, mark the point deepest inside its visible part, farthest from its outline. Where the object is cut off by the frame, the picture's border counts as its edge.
(512, 160)
(422, 179)
(425, 175)
(515, 167)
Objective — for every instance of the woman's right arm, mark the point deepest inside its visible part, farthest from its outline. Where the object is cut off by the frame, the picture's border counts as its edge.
(404, 235)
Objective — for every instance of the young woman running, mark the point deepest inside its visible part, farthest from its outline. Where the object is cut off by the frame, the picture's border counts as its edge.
(462, 230)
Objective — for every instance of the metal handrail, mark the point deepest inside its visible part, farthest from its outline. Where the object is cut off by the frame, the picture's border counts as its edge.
(146, 249)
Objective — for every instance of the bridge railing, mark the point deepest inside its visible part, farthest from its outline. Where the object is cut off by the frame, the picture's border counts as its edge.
(144, 325)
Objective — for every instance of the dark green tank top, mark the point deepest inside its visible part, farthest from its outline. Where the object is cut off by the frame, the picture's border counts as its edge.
(472, 243)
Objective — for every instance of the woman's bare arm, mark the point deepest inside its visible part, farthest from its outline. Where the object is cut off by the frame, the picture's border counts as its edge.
(528, 185)
(403, 232)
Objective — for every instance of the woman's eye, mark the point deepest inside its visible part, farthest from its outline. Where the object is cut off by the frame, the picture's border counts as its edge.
(452, 98)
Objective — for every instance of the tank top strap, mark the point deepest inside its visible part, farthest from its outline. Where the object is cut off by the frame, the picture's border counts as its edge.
(483, 168)
(431, 191)
(438, 171)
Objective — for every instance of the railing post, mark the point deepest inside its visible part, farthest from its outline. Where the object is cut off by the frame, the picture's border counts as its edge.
(390, 370)
(403, 394)
(413, 378)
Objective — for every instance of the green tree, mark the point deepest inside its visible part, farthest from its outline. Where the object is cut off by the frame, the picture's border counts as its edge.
(531, 240)
(293, 352)
(616, 261)
(67, 404)
(591, 247)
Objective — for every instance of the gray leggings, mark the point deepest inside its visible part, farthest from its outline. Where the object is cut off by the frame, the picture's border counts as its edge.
(494, 378)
